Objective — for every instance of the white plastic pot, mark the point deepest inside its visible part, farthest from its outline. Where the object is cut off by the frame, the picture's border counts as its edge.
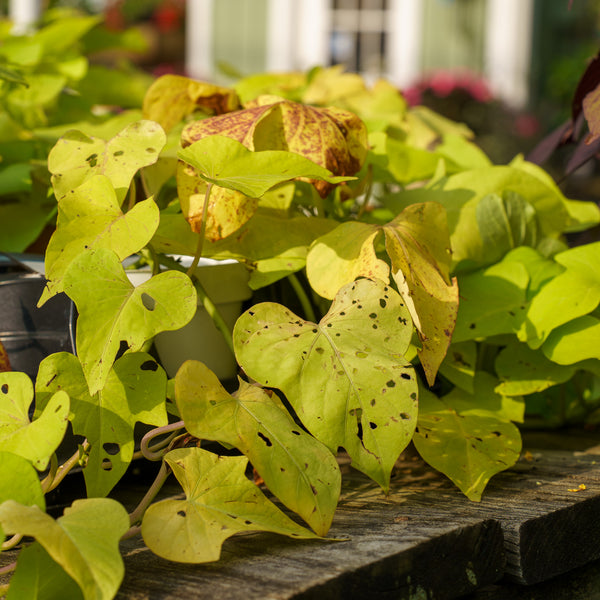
(226, 284)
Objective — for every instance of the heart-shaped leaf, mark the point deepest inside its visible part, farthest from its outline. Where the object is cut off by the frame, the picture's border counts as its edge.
(90, 217)
(346, 377)
(296, 467)
(34, 440)
(84, 541)
(121, 313)
(220, 502)
(574, 341)
(229, 164)
(76, 157)
(134, 392)
(469, 447)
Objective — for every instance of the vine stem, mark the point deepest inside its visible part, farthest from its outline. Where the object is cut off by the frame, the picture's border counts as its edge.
(151, 453)
(303, 298)
(136, 516)
(12, 542)
(202, 233)
(63, 469)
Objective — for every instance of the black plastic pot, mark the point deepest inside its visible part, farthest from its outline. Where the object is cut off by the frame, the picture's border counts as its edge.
(29, 333)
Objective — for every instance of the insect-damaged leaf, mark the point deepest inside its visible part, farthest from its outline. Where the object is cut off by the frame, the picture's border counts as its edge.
(296, 467)
(90, 217)
(418, 246)
(4, 361)
(76, 157)
(134, 392)
(123, 313)
(34, 440)
(172, 97)
(467, 439)
(84, 541)
(346, 377)
(220, 502)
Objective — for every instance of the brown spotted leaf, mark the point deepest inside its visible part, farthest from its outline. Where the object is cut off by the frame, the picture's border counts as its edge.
(172, 97)
(418, 244)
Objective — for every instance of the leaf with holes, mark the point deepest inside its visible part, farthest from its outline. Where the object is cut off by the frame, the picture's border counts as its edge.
(346, 377)
(418, 245)
(296, 467)
(122, 313)
(134, 392)
(34, 440)
(220, 502)
(172, 97)
(77, 157)
(90, 217)
(20, 481)
(467, 443)
(84, 541)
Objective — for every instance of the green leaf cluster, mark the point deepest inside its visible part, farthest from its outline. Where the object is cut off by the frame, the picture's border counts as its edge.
(405, 290)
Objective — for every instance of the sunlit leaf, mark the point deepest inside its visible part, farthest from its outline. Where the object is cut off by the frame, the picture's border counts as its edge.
(84, 541)
(572, 294)
(459, 365)
(574, 341)
(90, 217)
(220, 502)
(346, 377)
(172, 97)
(343, 255)
(122, 313)
(419, 248)
(76, 157)
(134, 392)
(20, 481)
(469, 447)
(228, 163)
(34, 440)
(297, 468)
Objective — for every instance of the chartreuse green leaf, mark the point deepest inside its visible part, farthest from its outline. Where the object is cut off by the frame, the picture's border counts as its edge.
(574, 341)
(220, 502)
(77, 157)
(34, 440)
(525, 371)
(467, 442)
(122, 313)
(344, 254)
(90, 217)
(84, 541)
(297, 468)
(39, 577)
(459, 365)
(20, 481)
(346, 377)
(418, 245)
(134, 392)
(229, 164)
(573, 293)
(493, 301)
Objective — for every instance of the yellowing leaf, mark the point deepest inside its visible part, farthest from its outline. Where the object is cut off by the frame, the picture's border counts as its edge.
(419, 247)
(220, 502)
(346, 377)
(172, 97)
(296, 467)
